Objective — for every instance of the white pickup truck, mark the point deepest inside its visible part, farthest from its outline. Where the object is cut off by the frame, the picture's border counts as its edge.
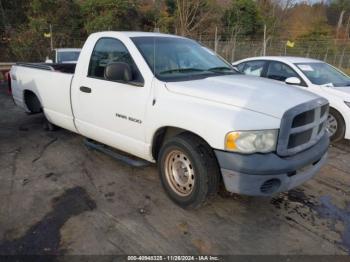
(168, 99)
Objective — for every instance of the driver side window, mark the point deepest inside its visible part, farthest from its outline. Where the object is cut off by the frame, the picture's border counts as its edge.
(111, 50)
(280, 71)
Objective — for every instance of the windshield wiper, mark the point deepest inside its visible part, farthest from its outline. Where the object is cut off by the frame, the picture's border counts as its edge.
(220, 68)
(181, 70)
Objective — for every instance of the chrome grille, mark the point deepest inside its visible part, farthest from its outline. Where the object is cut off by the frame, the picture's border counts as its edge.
(302, 127)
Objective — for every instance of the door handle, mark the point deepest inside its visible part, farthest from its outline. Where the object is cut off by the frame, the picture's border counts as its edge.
(85, 89)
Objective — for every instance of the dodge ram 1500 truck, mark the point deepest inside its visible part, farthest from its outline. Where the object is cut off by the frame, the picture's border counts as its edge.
(170, 100)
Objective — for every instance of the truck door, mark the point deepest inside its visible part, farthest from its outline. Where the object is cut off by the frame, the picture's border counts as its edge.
(107, 111)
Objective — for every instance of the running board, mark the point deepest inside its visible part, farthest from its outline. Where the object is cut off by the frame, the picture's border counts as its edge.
(129, 160)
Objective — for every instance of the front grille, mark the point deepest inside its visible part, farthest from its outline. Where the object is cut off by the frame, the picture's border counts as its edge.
(304, 118)
(299, 138)
(302, 127)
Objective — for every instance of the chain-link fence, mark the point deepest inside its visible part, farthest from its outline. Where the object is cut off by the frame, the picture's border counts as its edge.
(335, 52)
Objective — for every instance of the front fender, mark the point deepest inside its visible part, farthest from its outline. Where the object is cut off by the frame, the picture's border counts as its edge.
(209, 120)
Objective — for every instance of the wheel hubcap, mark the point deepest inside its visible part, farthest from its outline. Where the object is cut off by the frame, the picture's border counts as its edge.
(332, 125)
(179, 173)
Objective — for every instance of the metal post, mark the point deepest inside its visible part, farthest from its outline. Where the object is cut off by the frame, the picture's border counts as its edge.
(326, 55)
(264, 43)
(51, 39)
(216, 39)
(285, 49)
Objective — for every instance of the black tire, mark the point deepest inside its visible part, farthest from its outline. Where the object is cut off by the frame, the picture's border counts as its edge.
(340, 131)
(33, 103)
(206, 171)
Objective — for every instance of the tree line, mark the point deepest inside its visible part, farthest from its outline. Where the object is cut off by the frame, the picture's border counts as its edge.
(25, 23)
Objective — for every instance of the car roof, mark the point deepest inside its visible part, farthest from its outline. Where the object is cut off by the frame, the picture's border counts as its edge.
(136, 34)
(67, 49)
(288, 59)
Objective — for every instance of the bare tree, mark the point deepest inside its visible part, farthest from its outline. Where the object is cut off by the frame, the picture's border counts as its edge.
(191, 14)
(340, 22)
(235, 29)
(3, 16)
(275, 11)
(347, 28)
(233, 40)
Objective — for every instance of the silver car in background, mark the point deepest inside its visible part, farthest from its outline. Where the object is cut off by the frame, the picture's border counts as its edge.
(312, 75)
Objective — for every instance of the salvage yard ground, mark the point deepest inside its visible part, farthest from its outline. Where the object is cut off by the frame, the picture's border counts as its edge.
(58, 197)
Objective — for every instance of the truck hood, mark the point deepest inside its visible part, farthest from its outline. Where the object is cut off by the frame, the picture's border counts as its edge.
(248, 92)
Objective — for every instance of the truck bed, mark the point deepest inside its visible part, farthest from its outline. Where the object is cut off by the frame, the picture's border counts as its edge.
(51, 83)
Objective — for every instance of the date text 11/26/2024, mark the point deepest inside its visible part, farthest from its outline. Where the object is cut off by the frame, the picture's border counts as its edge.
(173, 258)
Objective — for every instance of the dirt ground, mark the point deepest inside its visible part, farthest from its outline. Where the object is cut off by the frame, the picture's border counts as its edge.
(59, 197)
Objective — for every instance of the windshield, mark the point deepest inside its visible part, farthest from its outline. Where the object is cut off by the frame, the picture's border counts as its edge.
(68, 56)
(177, 59)
(324, 74)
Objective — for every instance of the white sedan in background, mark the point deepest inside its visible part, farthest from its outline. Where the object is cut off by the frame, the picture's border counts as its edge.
(64, 56)
(312, 75)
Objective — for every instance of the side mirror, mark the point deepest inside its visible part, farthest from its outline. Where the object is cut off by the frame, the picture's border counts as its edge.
(293, 81)
(118, 72)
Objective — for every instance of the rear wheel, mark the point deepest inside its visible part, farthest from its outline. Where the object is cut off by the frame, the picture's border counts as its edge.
(188, 170)
(32, 102)
(335, 125)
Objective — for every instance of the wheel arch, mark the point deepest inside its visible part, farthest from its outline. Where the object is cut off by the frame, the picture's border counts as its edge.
(339, 112)
(162, 134)
(32, 101)
(345, 120)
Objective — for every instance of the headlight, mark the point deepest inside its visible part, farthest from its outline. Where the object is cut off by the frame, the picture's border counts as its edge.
(347, 103)
(248, 142)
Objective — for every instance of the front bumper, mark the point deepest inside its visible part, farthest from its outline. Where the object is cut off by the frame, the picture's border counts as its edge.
(267, 174)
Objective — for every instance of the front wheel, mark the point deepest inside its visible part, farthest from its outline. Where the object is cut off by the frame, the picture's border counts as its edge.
(335, 125)
(188, 170)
